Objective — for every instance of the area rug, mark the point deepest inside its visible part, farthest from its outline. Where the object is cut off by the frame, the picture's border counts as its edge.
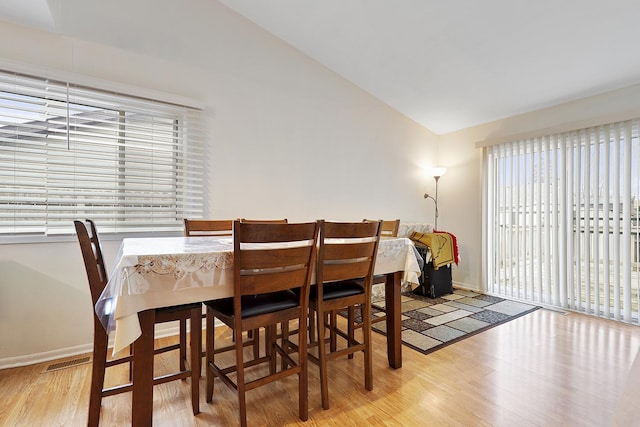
(431, 324)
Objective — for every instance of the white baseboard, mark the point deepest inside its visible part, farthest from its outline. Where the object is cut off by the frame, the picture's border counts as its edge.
(468, 287)
(32, 359)
(47, 356)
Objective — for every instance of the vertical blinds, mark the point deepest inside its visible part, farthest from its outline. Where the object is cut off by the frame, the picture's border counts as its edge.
(68, 151)
(561, 220)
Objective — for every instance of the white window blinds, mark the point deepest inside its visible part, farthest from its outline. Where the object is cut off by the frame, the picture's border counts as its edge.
(561, 220)
(67, 151)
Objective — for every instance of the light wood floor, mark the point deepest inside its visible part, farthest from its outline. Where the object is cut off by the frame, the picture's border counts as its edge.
(543, 369)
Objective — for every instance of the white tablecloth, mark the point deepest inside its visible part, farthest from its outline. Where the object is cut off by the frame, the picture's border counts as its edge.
(160, 272)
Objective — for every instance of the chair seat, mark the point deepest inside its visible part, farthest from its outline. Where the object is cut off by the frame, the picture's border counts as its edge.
(182, 307)
(379, 278)
(338, 290)
(254, 305)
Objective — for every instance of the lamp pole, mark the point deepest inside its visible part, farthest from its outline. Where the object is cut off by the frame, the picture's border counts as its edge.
(437, 173)
(436, 201)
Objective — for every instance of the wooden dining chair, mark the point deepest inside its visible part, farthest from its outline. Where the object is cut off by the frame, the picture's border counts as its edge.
(97, 276)
(207, 227)
(387, 229)
(344, 275)
(218, 227)
(273, 264)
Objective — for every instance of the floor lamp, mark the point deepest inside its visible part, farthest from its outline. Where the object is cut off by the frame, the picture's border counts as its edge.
(436, 173)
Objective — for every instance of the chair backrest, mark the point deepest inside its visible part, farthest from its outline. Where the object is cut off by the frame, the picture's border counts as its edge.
(264, 221)
(92, 255)
(389, 228)
(270, 257)
(208, 227)
(347, 251)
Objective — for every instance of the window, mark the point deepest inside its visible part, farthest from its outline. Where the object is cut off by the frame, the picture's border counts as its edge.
(561, 220)
(67, 151)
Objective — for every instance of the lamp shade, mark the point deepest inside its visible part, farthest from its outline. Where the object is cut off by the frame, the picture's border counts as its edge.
(438, 172)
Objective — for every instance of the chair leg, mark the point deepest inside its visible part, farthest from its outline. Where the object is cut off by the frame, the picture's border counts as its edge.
(203, 351)
(210, 345)
(322, 357)
(333, 321)
(312, 325)
(97, 376)
(255, 336)
(131, 363)
(368, 359)
(285, 339)
(303, 377)
(351, 320)
(183, 344)
(269, 339)
(240, 384)
(196, 358)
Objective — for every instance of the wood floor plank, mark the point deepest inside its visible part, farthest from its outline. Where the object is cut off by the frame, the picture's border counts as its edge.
(543, 369)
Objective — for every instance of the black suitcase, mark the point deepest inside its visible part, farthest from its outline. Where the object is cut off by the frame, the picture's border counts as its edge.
(433, 283)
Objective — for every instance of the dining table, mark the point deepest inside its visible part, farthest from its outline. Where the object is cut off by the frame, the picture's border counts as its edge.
(156, 272)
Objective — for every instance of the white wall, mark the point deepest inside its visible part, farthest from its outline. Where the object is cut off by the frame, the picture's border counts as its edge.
(286, 138)
(460, 190)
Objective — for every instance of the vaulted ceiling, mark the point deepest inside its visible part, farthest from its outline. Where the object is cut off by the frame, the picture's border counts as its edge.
(448, 65)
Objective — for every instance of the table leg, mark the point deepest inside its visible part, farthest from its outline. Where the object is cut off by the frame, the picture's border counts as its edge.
(393, 284)
(142, 400)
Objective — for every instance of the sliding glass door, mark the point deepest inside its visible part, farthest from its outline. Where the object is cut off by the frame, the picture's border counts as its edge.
(561, 220)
